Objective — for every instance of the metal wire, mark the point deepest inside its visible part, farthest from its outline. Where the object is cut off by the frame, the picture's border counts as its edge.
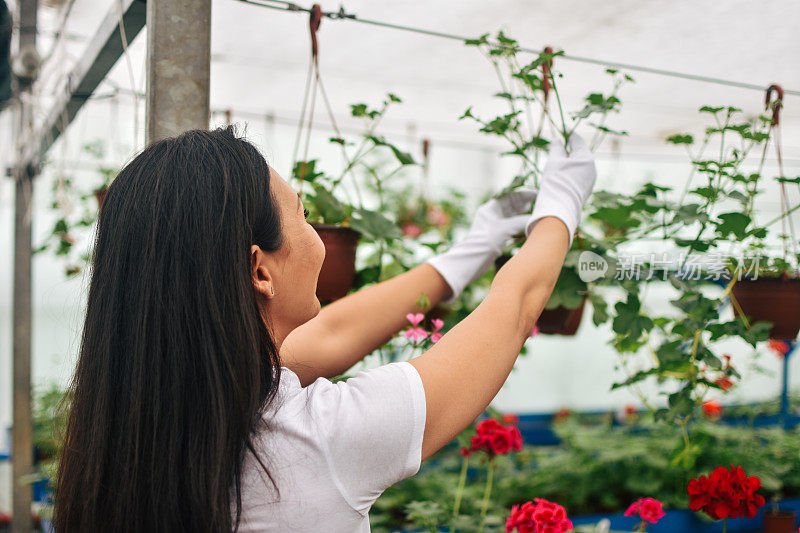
(283, 5)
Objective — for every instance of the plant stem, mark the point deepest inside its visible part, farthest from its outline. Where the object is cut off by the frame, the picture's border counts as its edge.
(724, 525)
(487, 492)
(462, 479)
(560, 111)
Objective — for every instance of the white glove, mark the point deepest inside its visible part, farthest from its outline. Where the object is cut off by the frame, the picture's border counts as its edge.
(494, 224)
(566, 183)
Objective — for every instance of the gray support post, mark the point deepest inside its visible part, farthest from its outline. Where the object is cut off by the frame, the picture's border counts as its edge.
(22, 432)
(178, 66)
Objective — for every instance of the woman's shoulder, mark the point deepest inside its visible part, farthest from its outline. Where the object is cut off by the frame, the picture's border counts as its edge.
(326, 398)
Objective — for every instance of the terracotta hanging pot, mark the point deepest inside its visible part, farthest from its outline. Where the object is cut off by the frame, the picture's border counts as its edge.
(100, 195)
(558, 321)
(339, 267)
(775, 300)
(561, 321)
(780, 522)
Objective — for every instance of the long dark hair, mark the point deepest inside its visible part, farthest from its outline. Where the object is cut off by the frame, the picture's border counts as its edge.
(176, 364)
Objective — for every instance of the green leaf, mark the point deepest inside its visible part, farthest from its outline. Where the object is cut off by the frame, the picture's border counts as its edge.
(635, 378)
(710, 109)
(600, 313)
(569, 290)
(597, 103)
(361, 110)
(306, 171)
(629, 321)
(680, 139)
(733, 223)
(327, 205)
(467, 114)
(690, 213)
(616, 217)
(694, 244)
(500, 125)
(404, 158)
(503, 39)
(374, 226)
(483, 39)
(366, 276)
(60, 226)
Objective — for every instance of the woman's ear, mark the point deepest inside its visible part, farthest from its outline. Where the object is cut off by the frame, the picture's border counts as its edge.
(263, 282)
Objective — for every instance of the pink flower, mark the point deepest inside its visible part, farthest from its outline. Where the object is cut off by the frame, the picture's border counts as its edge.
(438, 324)
(411, 229)
(648, 509)
(534, 331)
(437, 217)
(415, 332)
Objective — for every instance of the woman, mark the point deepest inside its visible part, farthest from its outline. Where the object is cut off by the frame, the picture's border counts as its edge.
(200, 399)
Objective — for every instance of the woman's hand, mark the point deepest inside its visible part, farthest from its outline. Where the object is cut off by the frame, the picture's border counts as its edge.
(567, 182)
(463, 372)
(495, 223)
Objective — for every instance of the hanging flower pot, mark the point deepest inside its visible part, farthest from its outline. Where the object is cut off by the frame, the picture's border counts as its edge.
(100, 195)
(339, 267)
(775, 300)
(780, 522)
(560, 320)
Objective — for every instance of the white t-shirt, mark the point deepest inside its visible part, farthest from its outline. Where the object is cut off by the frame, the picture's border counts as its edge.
(332, 449)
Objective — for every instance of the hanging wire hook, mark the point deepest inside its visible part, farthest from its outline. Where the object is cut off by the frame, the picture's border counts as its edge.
(777, 104)
(313, 25)
(547, 67)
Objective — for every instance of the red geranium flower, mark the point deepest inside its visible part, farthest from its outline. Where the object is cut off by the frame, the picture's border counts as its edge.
(539, 516)
(712, 409)
(724, 382)
(779, 347)
(510, 418)
(494, 438)
(648, 509)
(726, 493)
(562, 414)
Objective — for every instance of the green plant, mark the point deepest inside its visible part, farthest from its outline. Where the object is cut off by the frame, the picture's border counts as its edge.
(323, 194)
(600, 468)
(707, 238)
(529, 88)
(77, 212)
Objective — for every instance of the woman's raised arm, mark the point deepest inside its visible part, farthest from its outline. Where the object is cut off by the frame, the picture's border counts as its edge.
(349, 329)
(463, 372)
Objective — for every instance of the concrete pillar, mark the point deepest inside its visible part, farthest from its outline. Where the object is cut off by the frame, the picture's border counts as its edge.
(178, 66)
